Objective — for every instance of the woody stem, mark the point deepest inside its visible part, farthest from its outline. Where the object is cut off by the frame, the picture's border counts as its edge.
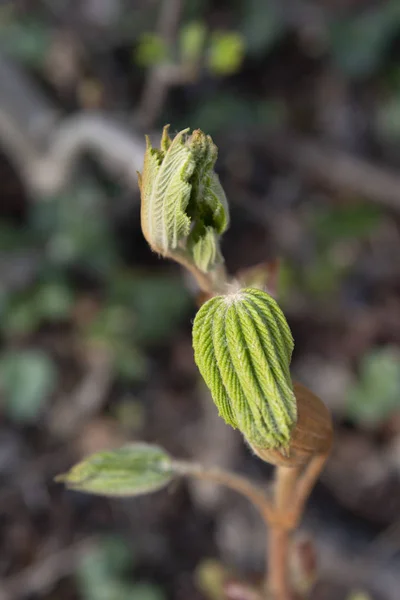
(235, 482)
(278, 582)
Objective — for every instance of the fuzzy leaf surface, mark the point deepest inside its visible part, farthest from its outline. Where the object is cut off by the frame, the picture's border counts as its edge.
(165, 192)
(182, 201)
(243, 347)
(132, 470)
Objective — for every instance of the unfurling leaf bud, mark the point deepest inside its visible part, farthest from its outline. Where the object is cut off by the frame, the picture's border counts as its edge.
(183, 205)
(243, 347)
(129, 471)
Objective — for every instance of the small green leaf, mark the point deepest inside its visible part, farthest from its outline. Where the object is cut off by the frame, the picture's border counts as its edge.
(243, 346)
(165, 192)
(205, 249)
(192, 39)
(133, 470)
(151, 50)
(226, 52)
(27, 378)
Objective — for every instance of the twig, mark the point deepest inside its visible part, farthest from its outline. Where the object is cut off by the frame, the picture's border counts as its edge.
(161, 77)
(304, 485)
(45, 148)
(119, 150)
(279, 536)
(240, 484)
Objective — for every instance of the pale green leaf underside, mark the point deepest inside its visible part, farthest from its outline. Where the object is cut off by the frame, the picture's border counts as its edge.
(133, 470)
(205, 251)
(165, 194)
(243, 346)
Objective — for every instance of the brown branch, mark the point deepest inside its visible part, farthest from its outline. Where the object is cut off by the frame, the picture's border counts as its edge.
(162, 76)
(279, 536)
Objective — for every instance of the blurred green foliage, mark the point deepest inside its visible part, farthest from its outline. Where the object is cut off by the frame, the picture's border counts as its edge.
(333, 228)
(262, 25)
(150, 50)
(192, 38)
(26, 39)
(347, 221)
(359, 44)
(27, 379)
(334, 233)
(226, 52)
(376, 394)
(126, 310)
(103, 573)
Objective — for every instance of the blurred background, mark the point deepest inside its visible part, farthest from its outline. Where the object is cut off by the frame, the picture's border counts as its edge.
(303, 100)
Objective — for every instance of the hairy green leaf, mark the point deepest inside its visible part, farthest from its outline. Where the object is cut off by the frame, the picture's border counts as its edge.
(133, 470)
(243, 347)
(165, 191)
(183, 203)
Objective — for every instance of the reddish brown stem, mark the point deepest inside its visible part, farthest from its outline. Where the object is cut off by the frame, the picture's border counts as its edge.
(278, 580)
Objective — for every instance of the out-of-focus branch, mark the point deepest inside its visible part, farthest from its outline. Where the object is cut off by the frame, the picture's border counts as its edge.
(119, 151)
(44, 147)
(161, 77)
(25, 117)
(336, 169)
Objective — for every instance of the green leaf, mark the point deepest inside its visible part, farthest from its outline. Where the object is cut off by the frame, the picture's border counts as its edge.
(243, 346)
(375, 396)
(165, 192)
(226, 52)
(182, 198)
(192, 40)
(27, 379)
(133, 470)
(151, 50)
(205, 249)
